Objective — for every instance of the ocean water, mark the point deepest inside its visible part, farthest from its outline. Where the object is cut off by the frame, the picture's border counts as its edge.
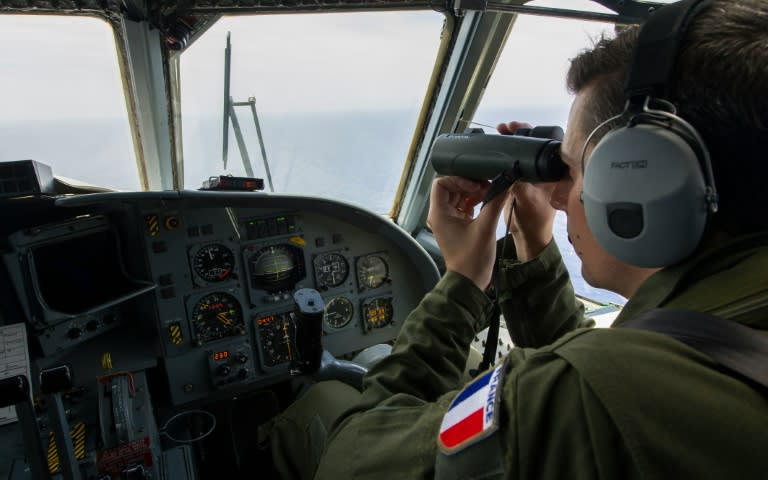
(355, 158)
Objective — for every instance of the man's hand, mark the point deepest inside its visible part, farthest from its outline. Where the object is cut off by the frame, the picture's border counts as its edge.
(468, 244)
(533, 216)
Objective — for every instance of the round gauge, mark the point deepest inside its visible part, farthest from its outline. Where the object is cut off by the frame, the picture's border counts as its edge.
(331, 270)
(217, 315)
(377, 313)
(272, 266)
(372, 271)
(338, 312)
(214, 262)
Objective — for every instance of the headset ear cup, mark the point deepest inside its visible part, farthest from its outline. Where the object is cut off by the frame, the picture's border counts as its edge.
(645, 195)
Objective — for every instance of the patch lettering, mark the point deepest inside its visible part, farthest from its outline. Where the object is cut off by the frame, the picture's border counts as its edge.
(473, 414)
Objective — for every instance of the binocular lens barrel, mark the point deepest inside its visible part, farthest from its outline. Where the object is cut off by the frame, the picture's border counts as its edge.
(483, 157)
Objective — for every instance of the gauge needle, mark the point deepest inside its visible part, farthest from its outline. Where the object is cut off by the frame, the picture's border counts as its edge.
(287, 340)
(224, 319)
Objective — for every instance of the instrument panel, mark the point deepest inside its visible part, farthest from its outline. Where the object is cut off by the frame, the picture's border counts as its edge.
(206, 282)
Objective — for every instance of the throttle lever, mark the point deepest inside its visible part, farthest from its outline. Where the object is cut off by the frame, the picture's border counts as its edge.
(308, 322)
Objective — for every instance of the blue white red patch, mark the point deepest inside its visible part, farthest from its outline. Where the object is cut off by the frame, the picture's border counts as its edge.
(473, 414)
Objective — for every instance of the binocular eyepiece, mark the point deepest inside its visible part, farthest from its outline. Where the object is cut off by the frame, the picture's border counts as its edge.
(531, 155)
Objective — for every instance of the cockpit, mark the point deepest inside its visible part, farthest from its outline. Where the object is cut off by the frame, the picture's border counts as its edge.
(158, 320)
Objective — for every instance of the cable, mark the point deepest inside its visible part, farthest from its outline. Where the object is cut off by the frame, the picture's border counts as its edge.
(494, 325)
(482, 124)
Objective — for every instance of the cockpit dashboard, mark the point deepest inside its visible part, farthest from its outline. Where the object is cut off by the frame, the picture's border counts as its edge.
(189, 298)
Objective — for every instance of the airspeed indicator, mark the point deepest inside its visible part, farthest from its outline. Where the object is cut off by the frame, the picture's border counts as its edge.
(214, 262)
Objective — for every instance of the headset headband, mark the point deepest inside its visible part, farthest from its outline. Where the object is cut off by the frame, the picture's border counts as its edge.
(658, 46)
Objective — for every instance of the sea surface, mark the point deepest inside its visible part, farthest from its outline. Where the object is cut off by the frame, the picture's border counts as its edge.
(356, 158)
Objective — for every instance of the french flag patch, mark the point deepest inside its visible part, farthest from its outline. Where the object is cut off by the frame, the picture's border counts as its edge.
(473, 414)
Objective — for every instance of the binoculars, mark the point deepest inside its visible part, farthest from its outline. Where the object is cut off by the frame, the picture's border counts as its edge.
(530, 155)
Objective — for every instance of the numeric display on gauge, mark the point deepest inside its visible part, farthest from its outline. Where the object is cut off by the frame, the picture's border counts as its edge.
(338, 312)
(331, 270)
(217, 315)
(377, 313)
(372, 271)
(214, 262)
(276, 339)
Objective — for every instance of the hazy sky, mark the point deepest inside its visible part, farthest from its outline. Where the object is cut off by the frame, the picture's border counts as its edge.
(58, 67)
(331, 62)
(67, 66)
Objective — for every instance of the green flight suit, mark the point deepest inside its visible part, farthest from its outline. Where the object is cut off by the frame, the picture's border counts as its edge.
(595, 403)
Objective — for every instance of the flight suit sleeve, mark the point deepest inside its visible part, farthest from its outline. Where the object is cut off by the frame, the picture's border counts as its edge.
(537, 298)
(407, 393)
(430, 352)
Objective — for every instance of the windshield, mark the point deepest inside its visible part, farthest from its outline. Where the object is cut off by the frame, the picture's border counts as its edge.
(62, 99)
(337, 98)
(528, 85)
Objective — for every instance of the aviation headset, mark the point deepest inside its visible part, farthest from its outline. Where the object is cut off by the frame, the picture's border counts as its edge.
(649, 187)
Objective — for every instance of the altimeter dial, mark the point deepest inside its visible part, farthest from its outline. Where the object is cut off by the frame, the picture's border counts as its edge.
(214, 262)
(331, 270)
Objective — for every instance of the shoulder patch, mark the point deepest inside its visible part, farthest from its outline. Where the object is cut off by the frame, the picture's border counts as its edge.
(473, 414)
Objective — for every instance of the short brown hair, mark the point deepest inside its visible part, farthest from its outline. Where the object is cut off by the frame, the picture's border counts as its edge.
(720, 87)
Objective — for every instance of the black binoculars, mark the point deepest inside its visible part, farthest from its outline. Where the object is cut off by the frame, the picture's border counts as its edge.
(530, 155)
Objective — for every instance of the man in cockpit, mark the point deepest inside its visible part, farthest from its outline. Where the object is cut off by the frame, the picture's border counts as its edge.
(595, 403)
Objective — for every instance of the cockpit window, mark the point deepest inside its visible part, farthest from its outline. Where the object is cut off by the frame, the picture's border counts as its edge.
(528, 85)
(337, 97)
(62, 99)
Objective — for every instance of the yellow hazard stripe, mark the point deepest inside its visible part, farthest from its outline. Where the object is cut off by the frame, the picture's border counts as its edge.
(78, 439)
(153, 225)
(77, 433)
(53, 454)
(176, 337)
(106, 361)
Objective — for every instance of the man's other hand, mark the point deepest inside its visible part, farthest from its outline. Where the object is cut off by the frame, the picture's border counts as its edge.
(468, 244)
(533, 216)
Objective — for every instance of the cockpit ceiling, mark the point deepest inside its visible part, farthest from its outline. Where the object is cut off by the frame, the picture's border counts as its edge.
(166, 8)
(171, 7)
(182, 21)
(60, 6)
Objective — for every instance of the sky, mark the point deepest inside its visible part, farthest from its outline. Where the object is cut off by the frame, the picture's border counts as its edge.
(308, 63)
(61, 67)
(70, 64)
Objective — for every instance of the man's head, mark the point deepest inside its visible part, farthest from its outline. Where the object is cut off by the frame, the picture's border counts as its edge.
(720, 86)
